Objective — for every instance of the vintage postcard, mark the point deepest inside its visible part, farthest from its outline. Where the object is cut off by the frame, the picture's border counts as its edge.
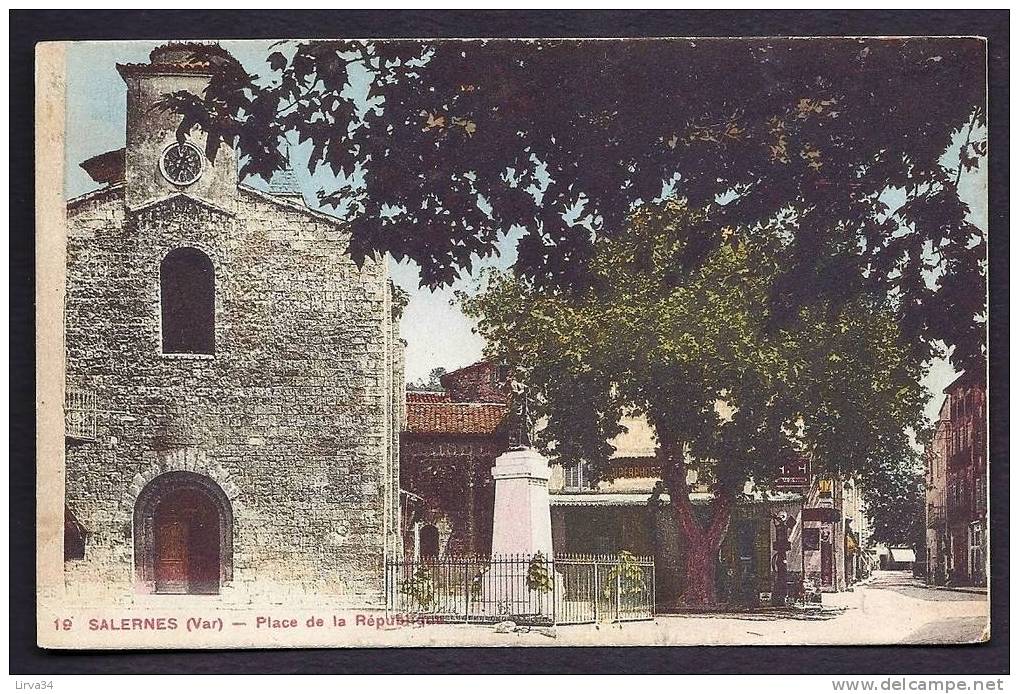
(541, 342)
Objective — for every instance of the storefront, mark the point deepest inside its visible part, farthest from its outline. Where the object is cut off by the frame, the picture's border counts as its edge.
(823, 548)
(622, 514)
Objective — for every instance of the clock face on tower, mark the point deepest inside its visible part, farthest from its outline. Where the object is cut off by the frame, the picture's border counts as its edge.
(181, 163)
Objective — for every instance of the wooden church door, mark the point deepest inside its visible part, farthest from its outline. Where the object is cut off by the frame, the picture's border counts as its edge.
(187, 543)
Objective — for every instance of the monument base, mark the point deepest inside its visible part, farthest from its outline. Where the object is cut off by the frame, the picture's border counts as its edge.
(521, 522)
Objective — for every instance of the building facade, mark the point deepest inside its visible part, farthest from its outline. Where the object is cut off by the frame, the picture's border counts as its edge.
(233, 379)
(819, 524)
(831, 538)
(936, 473)
(622, 509)
(962, 445)
(448, 447)
(859, 551)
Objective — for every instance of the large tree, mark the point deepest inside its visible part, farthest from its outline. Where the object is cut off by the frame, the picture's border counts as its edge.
(729, 393)
(896, 502)
(455, 143)
(434, 382)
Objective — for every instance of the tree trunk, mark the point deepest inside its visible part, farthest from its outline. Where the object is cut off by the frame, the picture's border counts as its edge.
(700, 543)
(699, 553)
(699, 574)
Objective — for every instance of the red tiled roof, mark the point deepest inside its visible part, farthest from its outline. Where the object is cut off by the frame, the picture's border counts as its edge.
(427, 396)
(453, 417)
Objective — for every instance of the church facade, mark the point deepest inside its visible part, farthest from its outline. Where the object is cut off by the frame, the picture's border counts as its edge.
(233, 380)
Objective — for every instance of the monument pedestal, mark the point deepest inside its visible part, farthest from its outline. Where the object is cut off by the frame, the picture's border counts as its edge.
(521, 530)
(521, 523)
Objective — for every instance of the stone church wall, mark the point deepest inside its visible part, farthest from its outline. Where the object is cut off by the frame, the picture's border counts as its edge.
(293, 416)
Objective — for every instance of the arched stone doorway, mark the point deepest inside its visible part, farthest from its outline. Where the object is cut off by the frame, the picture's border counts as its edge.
(183, 529)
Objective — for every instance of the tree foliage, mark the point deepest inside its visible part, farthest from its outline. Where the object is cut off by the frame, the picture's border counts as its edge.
(699, 356)
(456, 143)
(434, 382)
(538, 578)
(729, 392)
(896, 502)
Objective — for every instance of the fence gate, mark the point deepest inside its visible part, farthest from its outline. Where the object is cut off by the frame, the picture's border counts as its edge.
(566, 589)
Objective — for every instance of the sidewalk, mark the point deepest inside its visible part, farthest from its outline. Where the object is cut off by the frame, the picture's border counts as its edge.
(976, 590)
(879, 577)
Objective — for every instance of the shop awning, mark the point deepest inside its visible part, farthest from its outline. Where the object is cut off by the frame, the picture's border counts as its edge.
(613, 499)
(642, 498)
(824, 514)
(600, 499)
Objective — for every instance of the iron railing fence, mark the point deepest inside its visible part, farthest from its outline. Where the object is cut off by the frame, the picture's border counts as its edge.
(535, 590)
(605, 588)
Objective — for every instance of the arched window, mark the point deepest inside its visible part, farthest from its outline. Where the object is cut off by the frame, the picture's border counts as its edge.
(187, 289)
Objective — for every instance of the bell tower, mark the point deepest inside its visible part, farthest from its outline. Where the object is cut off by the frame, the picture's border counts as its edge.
(156, 166)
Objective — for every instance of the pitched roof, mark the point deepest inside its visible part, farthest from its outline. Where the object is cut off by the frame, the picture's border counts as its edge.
(284, 181)
(178, 57)
(964, 379)
(289, 202)
(176, 199)
(437, 417)
(427, 396)
(483, 364)
(99, 195)
(106, 168)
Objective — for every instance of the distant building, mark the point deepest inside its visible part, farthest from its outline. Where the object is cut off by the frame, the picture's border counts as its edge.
(964, 449)
(450, 441)
(936, 471)
(896, 558)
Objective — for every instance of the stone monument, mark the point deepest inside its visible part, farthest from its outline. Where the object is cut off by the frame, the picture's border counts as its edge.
(522, 527)
(521, 523)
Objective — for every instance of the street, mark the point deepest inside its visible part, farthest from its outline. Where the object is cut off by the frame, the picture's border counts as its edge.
(956, 615)
(890, 608)
(893, 607)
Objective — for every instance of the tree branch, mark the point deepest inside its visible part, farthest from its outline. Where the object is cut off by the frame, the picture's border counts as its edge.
(674, 473)
(721, 514)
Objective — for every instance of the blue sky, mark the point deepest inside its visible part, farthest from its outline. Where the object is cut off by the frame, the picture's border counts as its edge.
(437, 333)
